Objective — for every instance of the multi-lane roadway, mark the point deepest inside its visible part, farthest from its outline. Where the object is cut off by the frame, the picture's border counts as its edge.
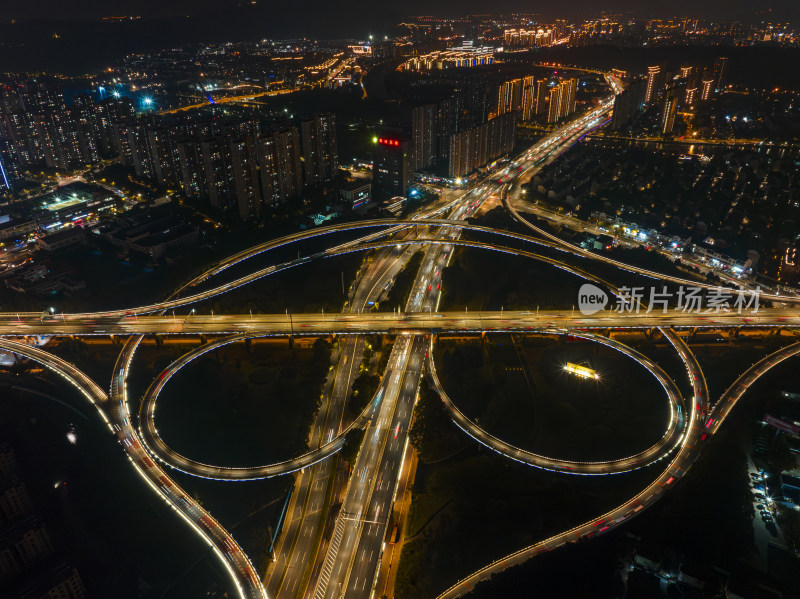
(306, 324)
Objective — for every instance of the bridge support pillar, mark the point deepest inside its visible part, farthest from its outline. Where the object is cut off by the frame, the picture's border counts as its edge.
(203, 339)
(248, 345)
(159, 340)
(735, 332)
(693, 334)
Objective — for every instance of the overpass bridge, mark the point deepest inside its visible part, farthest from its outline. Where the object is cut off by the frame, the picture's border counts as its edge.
(307, 324)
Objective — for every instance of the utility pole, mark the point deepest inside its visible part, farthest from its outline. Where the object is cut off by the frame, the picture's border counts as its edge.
(291, 325)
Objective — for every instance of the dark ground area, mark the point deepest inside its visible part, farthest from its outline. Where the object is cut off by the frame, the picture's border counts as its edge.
(555, 413)
(243, 407)
(123, 540)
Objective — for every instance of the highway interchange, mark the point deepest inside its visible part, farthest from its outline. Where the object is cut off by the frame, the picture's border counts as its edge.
(348, 561)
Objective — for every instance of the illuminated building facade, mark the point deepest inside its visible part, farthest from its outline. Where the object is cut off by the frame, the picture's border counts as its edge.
(655, 80)
(473, 148)
(392, 166)
(669, 110)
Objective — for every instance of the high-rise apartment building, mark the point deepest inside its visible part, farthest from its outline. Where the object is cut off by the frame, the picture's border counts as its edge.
(320, 152)
(223, 171)
(9, 169)
(473, 148)
(425, 127)
(719, 72)
(279, 165)
(669, 110)
(628, 104)
(509, 96)
(528, 98)
(707, 89)
(135, 152)
(43, 131)
(245, 177)
(654, 83)
(541, 96)
(554, 103)
(693, 89)
(517, 94)
(230, 163)
(392, 167)
(570, 96)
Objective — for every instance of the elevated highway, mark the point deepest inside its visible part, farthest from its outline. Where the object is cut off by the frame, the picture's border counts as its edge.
(397, 322)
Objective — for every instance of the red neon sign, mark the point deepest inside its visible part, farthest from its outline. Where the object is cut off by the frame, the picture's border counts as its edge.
(385, 141)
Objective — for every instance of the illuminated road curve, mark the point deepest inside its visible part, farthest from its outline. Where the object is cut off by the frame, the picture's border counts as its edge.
(156, 445)
(362, 244)
(687, 453)
(552, 242)
(224, 546)
(390, 322)
(742, 384)
(658, 451)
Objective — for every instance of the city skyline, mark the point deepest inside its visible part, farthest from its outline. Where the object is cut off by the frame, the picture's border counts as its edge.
(444, 8)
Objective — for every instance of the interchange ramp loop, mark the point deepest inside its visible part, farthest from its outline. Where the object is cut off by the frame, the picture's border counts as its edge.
(158, 447)
(657, 452)
(685, 456)
(230, 554)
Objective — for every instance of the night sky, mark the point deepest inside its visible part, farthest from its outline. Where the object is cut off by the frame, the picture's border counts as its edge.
(67, 35)
(357, 9)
